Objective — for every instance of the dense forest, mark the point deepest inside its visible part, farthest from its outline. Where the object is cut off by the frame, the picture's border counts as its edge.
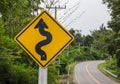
(16, 67)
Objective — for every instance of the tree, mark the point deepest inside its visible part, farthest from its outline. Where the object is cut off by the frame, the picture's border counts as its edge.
(17, 13)
(88, 40)
(114, 24)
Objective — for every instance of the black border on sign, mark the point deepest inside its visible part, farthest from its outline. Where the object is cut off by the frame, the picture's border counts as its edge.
(57, 24)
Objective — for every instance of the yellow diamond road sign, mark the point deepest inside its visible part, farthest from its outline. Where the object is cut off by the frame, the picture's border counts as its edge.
(43, 39)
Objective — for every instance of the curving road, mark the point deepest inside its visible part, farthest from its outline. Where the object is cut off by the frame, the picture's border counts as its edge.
(88, 73)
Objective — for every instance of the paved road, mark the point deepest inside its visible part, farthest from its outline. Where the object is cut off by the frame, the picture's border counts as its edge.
(88, 73)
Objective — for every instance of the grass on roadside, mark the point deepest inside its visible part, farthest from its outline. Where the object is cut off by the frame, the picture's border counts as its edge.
(103, 65)
(72, 72)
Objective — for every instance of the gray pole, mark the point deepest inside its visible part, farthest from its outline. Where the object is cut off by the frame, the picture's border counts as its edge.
(55, 12)
(56, 7)
(42, 79)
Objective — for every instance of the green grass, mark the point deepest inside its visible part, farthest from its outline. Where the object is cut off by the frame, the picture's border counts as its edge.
(103, 65)
(72, 72)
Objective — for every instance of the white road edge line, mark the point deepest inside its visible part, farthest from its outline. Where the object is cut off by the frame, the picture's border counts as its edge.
(92, 75)
(76, 77)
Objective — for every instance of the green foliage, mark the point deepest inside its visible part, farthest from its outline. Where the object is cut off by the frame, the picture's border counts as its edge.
(75, 53)
(23, 75)
(112, 66)
(114, 24)
(118, 57)
(53, 72)
(16, 74)
(88, 40)
(11, 71)
(15, 15)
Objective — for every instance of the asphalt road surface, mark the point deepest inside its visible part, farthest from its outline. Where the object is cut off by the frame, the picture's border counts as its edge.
(88, 73)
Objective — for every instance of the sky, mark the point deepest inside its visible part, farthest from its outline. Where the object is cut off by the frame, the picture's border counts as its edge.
(85, 15)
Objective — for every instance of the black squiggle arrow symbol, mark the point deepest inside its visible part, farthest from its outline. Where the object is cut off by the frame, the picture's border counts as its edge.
(42, 25)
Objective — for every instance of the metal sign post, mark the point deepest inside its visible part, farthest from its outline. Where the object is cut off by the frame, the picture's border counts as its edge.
(42, 76)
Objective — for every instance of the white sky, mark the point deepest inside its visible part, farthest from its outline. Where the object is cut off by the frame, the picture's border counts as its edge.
(85, 15)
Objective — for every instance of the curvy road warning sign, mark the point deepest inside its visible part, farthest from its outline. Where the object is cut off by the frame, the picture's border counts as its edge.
(44, 38)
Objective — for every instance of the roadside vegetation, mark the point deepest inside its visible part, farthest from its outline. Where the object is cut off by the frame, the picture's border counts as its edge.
(16, 67)
(108, 73)
(112, 63)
